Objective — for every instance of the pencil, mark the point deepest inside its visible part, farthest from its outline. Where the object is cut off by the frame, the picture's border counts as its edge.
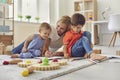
(93, 61)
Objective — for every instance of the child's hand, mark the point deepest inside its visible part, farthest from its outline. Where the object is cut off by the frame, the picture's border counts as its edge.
(66, 55)
(48, 54)
(24, 49)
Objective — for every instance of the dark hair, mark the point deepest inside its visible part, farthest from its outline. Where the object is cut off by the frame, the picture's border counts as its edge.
(45, 25)
(77, 19)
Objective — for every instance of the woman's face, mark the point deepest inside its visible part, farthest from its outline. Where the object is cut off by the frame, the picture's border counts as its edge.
(61, 28)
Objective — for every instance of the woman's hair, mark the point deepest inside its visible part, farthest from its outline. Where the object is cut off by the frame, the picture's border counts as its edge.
(45, 25)
(66, 20)
(77, 19)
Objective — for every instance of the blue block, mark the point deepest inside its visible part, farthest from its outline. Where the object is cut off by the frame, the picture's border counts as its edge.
(4, 28)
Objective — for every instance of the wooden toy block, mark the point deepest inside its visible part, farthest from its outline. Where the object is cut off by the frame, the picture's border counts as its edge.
(97, 51)
(118, 52)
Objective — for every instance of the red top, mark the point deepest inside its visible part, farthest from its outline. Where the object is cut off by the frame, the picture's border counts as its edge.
(70, 38)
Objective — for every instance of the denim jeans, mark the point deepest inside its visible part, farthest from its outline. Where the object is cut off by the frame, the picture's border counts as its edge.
(82, 46)
(18, 49)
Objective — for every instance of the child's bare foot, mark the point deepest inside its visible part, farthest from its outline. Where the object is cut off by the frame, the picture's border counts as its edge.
(14, 55)
(94, 56)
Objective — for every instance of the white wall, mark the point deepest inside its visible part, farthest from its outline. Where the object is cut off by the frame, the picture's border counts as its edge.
(53, 11)
(23, 29)
(59, 8)
(44, 10)
(66, 7)
(102, 4)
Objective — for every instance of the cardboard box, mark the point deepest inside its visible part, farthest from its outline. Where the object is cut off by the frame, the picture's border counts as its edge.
(6, 39)
(118, 52)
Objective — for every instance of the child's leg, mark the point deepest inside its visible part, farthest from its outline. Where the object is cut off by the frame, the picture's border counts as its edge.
(31, 54)
(93, 55)
(77, 51)
(88, 35)
(36, 53)
(18, 49)
(26, 55)
(81, 47)
(78, 48)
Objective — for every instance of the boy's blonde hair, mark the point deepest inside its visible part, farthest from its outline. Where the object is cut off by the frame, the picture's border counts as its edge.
(45, 25)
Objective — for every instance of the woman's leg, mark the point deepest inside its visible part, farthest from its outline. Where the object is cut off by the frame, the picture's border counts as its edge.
(18, 49)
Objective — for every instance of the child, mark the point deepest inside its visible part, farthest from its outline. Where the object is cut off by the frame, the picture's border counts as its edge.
(36, 44)
(76, 43)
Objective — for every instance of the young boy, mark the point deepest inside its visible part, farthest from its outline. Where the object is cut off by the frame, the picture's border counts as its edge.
(76, 44)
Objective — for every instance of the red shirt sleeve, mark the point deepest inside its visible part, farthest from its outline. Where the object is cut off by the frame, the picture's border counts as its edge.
(67, 38)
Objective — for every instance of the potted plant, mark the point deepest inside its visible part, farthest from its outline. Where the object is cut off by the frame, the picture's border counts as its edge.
(20, 17)
(37, 19)
(28, 17)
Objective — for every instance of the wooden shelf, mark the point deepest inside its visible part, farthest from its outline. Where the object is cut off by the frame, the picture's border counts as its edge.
(7, 37)
(89, 9)
(86, 7)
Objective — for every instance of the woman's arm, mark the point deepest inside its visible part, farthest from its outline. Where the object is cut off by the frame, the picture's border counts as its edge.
(57, 43)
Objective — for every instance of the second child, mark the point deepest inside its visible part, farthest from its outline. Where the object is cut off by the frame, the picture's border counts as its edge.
(76, 43)
(36, 45)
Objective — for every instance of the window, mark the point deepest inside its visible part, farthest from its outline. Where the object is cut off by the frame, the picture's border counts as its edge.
(33, 8)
